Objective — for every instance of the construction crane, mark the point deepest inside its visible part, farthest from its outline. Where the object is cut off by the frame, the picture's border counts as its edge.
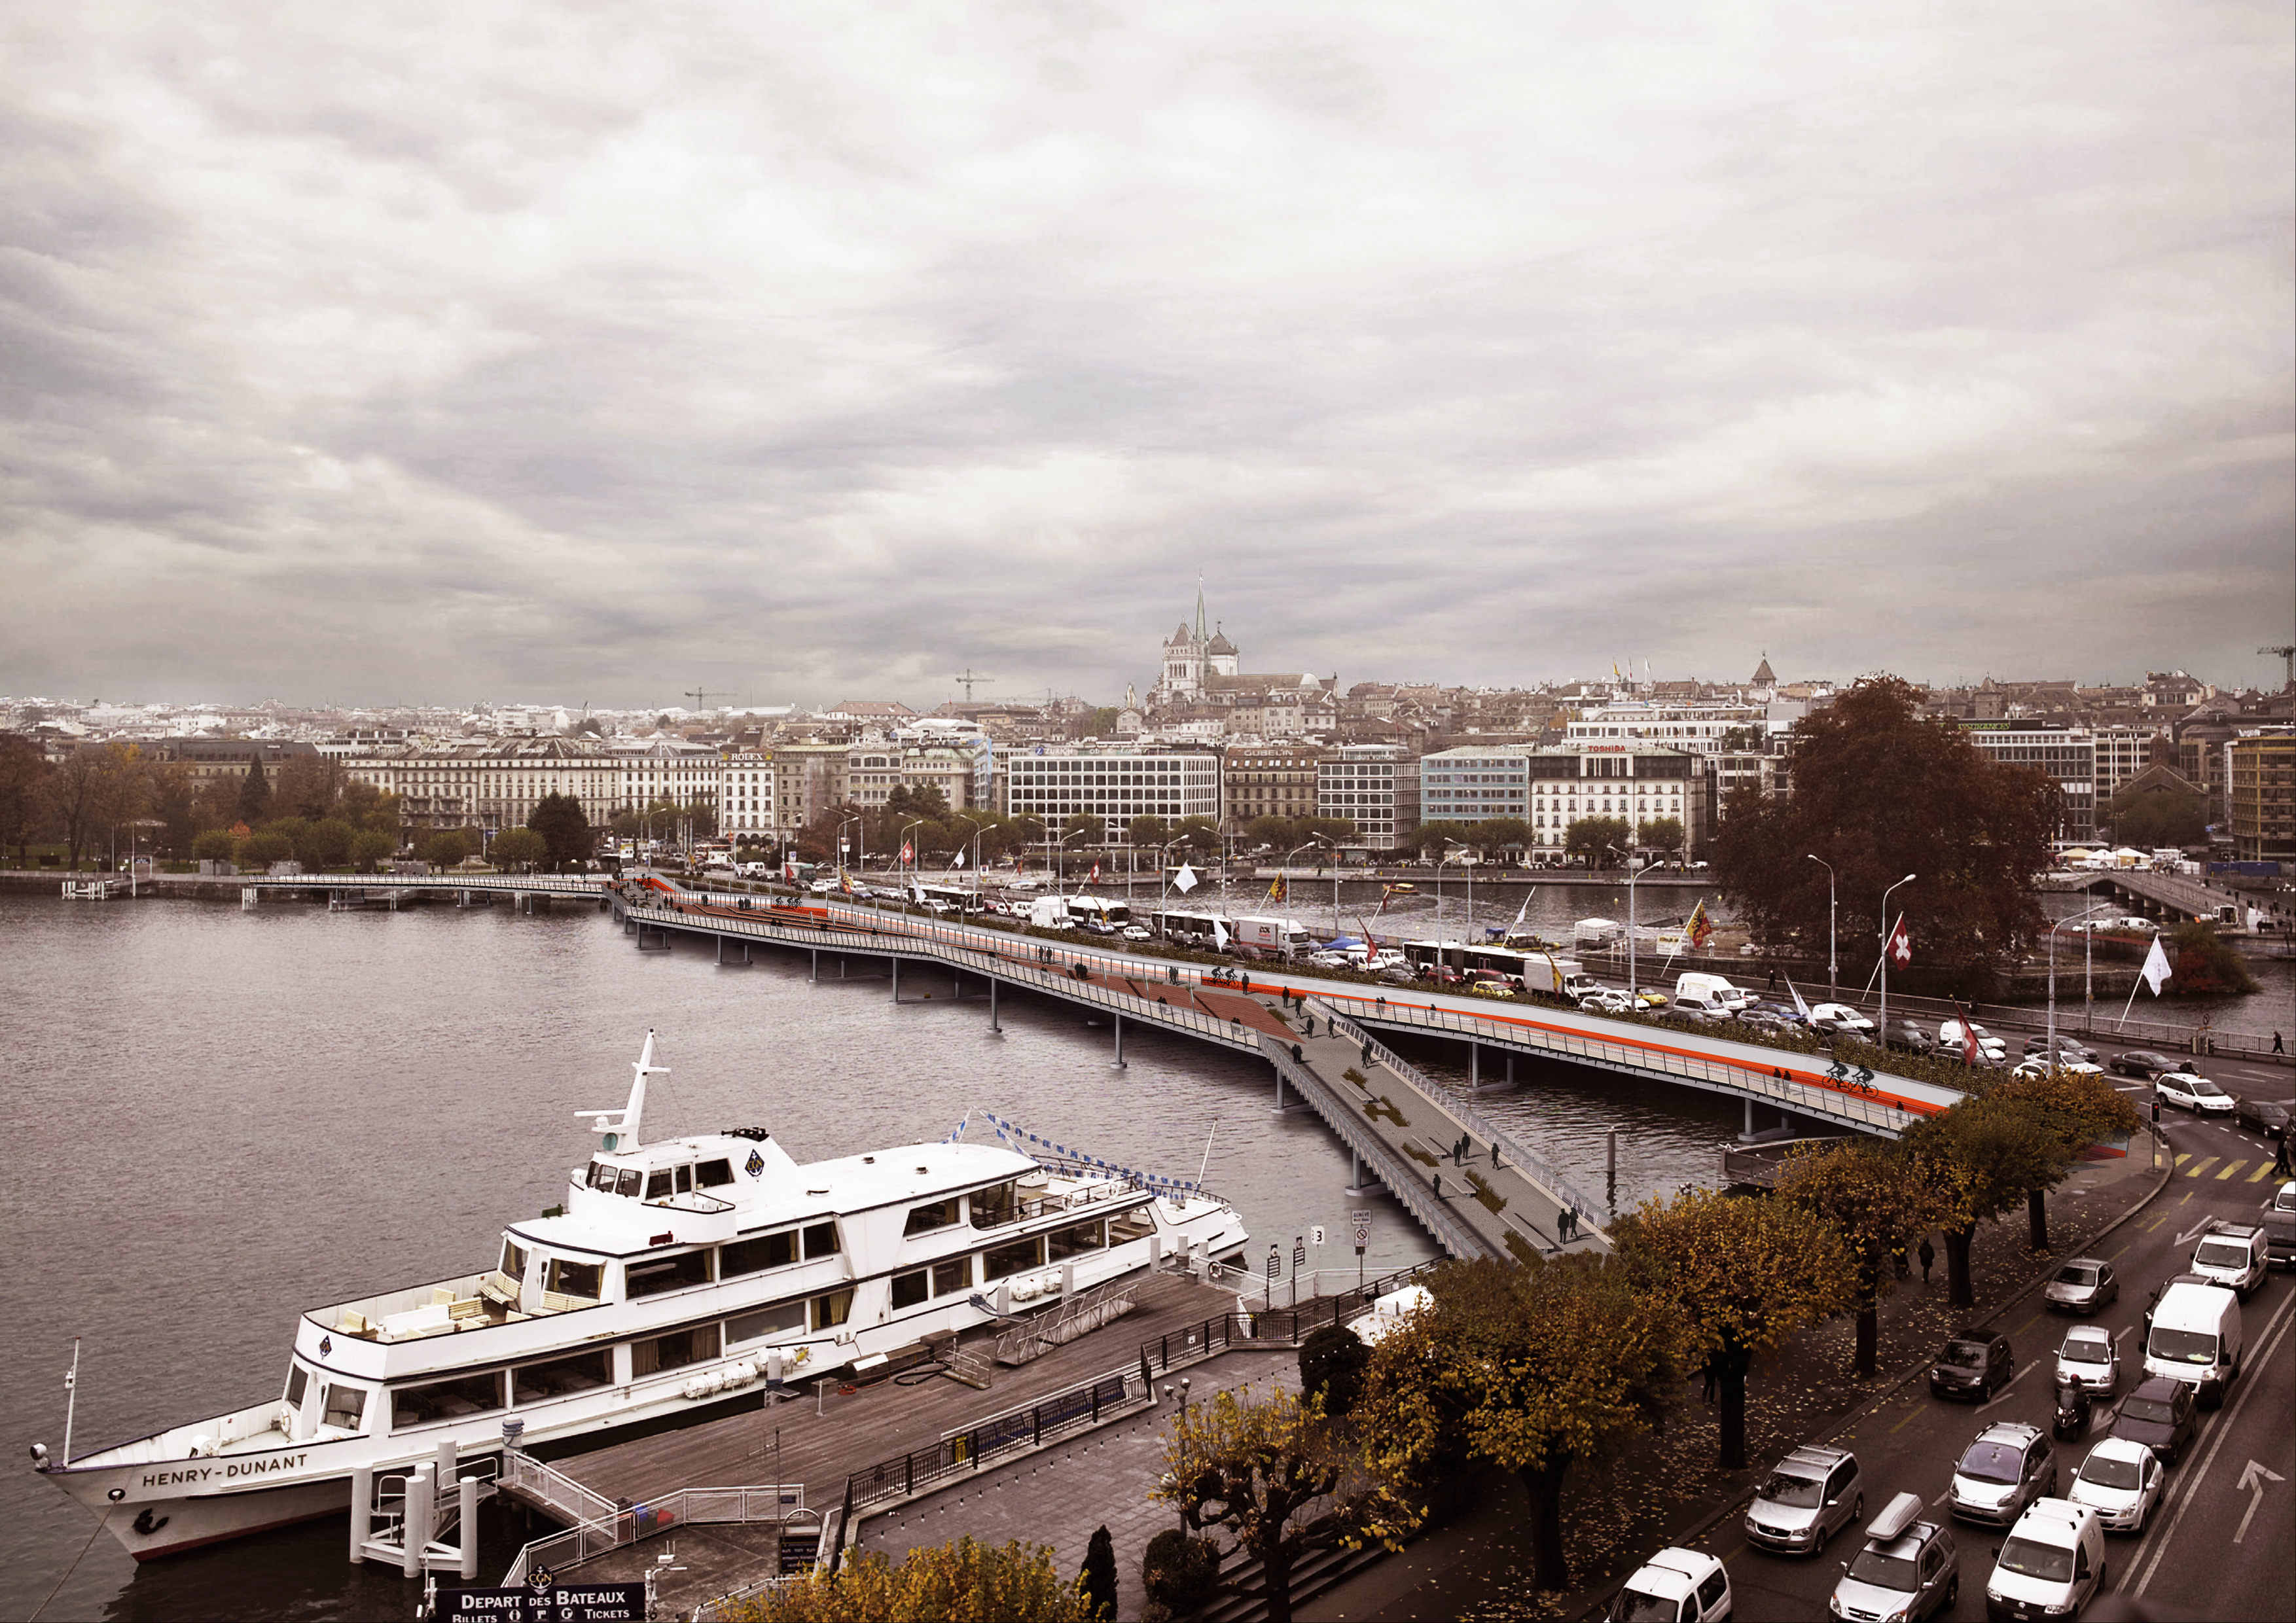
(700, 696)
(969, 678)
(2287, 652)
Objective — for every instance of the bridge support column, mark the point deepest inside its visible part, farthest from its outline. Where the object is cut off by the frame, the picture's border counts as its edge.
(1748, 1135)
(1279, 1087)
(1118, 1065)
(817, 965)
(993, 984)
(1474, 1065)
(1356, 1185)
(896, 976)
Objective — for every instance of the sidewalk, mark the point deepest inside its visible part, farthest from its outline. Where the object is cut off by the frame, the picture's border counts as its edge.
(1669, 1483)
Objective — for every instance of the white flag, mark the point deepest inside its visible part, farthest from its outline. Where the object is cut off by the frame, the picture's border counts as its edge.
(959, 862)
(1219, 935)
(2156, 968)
(1184, 880)
(1801, 1007)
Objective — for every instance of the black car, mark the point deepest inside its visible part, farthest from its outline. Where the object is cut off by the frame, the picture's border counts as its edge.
(1972, 1364)
(2140, 1063)
(2268, 1117)
(2162, 1414)
(1908, 1034)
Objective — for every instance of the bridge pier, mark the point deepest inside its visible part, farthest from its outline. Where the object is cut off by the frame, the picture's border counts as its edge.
(896, 976)
(1119, 1064)
(993, 984)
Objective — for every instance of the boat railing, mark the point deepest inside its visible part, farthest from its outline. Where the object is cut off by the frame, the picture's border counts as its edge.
(1113, 1187)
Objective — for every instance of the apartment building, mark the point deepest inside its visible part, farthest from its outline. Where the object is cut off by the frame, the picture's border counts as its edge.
(1115, 783)
(1267, 780)
(1376, 787)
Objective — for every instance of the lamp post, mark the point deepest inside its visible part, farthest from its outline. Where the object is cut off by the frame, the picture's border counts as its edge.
(2059, 925)
(1467, 862)
(1060, 885)
(1634, 990)
(1333, 847)
(904, 838)
(1885, 960)
(1181, 1498)
(842, 847)
(1833, 972)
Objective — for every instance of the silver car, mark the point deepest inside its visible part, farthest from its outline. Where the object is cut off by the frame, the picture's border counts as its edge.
(2122, 1481)
(2008, 1467)
(2090, 1359)
(2082, 1285)
(1908, 1569)
(1812, 1494)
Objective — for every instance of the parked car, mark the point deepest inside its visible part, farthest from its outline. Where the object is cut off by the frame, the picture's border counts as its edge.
(2090, 1359)
(2268, 1117)
(1970, 1365)
(1674, 1586)
(1908, 1568)
(2050, 1565)
(2122, 1481)
(2082, 1285)
(1809, 1496)
(2162, 1414)
(2197, 1094)
(2141, 1063)
(2010, 1465)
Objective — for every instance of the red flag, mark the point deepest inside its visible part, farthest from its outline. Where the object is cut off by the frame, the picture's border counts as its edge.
(908, 852)
(1901, 945)
(1969, 1049)
(1092, 878)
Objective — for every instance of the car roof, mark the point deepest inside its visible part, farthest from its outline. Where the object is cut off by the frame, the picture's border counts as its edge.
(2121, 1449)
(2061, 1516)
(1813, 1459)
(2013, 1431)
(2088, 1333)
(2158, 1386)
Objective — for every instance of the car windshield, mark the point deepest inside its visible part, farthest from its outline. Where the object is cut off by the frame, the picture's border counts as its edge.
(2102, 1471)
(1895, 1572)
(2201, 1087)
(1636, 1607)
(2149, 1410)
(2051, 1563)
(2076, 1276)
(1969, 1353)
(2217, 1254)
(2183, 1346)
(1992, 1462)
(2087, 1349)
(1799, 1492)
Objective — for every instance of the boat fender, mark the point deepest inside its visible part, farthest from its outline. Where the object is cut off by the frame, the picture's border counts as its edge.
(203, 1446)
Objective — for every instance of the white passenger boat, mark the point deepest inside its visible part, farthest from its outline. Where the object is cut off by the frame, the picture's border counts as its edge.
(674, 1279)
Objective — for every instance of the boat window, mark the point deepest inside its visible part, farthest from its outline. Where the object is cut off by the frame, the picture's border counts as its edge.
(659, 1273)
(1075, 1240)
(534, 1383)
(833, 1309)
(629, 1182)
(658, 1185)
(514, 1260)
(999, 1260)
(299, 1381)
(416, 1405)
(685, 1180)
(820, 1240)
(910, 1289)
(711, 1174)
(766, 1322)
(748, 1256)
(345, 1406)
(675, 1350)
(574, 1278)
(951, 1277)
(923, 1219)
(991, 1207)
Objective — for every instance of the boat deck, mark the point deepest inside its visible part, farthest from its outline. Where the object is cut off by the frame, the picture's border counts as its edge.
(824, 1438)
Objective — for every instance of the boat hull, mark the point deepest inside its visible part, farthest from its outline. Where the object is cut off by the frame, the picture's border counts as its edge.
(150, 1524)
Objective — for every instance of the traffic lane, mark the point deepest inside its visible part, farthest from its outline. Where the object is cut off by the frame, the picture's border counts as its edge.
(1912, 1443)
(2219, 1546)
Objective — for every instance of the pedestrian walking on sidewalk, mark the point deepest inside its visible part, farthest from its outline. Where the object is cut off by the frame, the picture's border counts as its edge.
(1927, 1254)
(1438, 1185)
(1713, 1378)
(2283, 1160)
(2276, 1048)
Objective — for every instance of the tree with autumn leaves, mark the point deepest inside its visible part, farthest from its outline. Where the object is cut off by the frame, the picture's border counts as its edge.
(1876, 1197)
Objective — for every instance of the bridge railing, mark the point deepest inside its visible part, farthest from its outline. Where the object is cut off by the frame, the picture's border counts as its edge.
(1737, 1076)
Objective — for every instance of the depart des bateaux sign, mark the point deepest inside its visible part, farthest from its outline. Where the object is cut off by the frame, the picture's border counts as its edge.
(543, 1602)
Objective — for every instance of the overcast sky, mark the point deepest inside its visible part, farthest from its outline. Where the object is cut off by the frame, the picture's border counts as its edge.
(593, 353)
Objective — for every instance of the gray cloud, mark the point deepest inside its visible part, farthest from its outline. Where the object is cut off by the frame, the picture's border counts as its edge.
(595, 351)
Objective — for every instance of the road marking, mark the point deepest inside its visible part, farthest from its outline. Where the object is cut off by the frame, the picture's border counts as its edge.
(2183, 1157)
(2156, 1223)
(1942, 1499)
(2249, 1479)
(2012, 1382)
(2228, 1171)
(2114, 1256)
(2220, 1428)
(2196, 1231)
(1908, 1421)
(2204, 1166)
(2027, 1325)
(2263, 1171)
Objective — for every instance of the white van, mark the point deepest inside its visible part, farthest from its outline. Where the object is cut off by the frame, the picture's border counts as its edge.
(1991, 1050)
(1713, 988)
(2196, 1339)
(2050, 1564)
(2233, 1255)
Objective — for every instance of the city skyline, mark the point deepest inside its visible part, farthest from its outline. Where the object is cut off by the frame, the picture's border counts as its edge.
(593, 358)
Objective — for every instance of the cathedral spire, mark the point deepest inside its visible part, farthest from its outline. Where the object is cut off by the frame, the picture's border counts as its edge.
(1199, 605)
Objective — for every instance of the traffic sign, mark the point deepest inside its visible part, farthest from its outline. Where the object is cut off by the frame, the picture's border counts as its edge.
(1316, 1233)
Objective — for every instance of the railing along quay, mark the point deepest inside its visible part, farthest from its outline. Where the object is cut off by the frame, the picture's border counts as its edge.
(601, 1527)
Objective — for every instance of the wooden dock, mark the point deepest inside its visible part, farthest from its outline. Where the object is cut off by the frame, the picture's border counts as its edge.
(817, 1438)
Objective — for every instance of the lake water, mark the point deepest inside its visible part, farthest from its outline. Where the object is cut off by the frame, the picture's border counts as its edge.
(220, 1119)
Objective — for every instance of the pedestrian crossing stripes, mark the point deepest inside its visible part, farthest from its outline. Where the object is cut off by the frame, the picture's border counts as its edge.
(2192, 1168)
(2203, 1166)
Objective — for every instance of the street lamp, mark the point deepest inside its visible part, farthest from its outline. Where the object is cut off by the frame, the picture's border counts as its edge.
(1634, 991)
(1060, 885)
(1885, 959)
(1467, 863)
(842, 847)
(913, 865)
(2059, 925)
(1333, 847)
(1186, 1477)
(1832, 973)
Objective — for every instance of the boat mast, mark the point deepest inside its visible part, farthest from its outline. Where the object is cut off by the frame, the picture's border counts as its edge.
(623, 1134)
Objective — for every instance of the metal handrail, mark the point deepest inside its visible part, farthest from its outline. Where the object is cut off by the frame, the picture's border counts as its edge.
(619, 1526)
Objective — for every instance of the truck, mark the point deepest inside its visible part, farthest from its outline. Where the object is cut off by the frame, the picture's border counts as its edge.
(1267, 938)
(1048, 911)
(1563, 977)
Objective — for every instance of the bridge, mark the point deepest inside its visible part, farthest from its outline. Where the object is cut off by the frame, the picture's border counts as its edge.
(2177, 894)
(1321, 1038)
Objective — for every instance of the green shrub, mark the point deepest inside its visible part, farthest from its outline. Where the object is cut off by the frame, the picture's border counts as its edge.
(1177, 1572)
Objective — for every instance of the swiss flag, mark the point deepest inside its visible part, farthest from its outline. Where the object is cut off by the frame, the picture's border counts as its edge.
(1095, 877)
(1901, 945)
(908, 852)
